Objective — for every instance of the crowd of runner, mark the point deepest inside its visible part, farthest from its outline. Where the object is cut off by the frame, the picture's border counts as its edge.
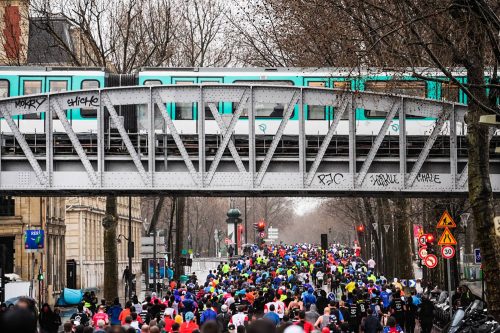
(278, 288)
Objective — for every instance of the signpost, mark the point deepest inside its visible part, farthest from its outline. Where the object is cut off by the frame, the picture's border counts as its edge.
(447, 241)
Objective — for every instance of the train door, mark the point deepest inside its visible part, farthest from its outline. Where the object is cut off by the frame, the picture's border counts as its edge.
(59, 84)
(29, 85)
(211, 126)
(183, 113)
(317, 117)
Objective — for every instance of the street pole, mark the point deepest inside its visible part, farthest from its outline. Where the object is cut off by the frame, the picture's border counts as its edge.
(246, 237)
(154, 258)
(129, 247)
(448, 268)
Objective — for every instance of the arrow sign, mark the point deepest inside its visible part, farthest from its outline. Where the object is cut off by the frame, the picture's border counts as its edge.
(446, 221)
(431, 261)
(447, 238)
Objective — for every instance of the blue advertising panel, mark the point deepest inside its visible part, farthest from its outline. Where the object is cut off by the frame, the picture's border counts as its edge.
(477, 256)
(34, 239)
(160, 268)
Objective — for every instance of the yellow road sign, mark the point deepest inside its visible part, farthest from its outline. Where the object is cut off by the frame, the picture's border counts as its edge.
(446, 221)
(447, 238)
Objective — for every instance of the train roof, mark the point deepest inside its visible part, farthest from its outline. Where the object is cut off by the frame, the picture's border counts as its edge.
(51, 71)
(296, 71)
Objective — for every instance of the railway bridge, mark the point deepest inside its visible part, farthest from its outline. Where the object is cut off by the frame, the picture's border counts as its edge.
(235, 160)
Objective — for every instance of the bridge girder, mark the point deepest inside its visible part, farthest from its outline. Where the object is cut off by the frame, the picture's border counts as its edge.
(247, 170)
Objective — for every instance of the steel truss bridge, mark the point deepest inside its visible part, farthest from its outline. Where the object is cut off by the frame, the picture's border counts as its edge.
(114, 161)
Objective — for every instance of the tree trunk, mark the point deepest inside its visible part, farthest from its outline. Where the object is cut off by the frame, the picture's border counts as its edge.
(403, 234)
(480, 193)
(110, 222)
(170, 227)
(179, 237)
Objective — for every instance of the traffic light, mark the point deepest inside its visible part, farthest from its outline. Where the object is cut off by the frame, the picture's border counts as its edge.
(261, 226)
(360, 228)
(429, 238)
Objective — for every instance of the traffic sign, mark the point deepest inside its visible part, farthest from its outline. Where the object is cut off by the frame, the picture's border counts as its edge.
(422, 253)
(422, 240)
(272, 233)
(447, 238)
(412, 283)
(477, 256)
(448, 251)
(431, 261)
(446, 221)
(228, 241)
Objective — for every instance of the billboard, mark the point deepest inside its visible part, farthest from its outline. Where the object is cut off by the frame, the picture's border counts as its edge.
(34, 239)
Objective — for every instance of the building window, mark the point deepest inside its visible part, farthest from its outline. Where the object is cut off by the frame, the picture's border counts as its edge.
(7, 206)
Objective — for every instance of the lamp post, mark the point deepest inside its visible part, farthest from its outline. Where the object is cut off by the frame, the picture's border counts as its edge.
(233, 217)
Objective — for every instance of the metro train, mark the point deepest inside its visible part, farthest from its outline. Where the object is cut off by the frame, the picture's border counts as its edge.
(18, 81)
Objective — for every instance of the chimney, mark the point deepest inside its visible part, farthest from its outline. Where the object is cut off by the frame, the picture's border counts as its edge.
(14, 31)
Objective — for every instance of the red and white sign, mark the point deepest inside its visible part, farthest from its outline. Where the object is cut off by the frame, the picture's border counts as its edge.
(228, 241)
(422, 253)
(431, 261)
(422, 240)
(448, 251)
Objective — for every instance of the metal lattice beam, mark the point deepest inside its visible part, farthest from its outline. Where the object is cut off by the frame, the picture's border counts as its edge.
(316, 158)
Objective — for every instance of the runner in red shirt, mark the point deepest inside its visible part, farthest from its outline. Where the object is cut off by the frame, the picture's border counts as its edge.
(100, 315)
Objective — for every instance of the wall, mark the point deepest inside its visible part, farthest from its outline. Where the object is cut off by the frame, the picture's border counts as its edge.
(84, 240)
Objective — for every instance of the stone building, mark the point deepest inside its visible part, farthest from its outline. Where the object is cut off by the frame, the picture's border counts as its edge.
(84, 238)
(18, 214)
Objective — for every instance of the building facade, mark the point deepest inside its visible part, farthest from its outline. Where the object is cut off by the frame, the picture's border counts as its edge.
(84, 238)
(18, 214)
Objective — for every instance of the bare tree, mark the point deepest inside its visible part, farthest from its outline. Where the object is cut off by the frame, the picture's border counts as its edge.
(121, 35)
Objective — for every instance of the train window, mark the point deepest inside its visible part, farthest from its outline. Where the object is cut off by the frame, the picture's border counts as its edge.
(316, 112)
(344, 85)
(89, 85)
(183, 111)
(450, 92)
(57, 86)
(153, 83)
(411, 88)
(32, 87)
(266, 110)
(4, 88)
